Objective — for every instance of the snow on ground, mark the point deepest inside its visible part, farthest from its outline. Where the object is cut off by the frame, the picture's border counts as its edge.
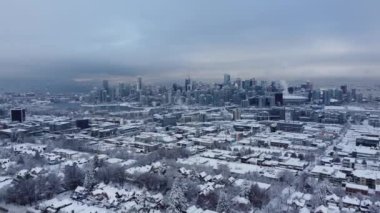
(6, 181)
(74, 206)
(139, 170)
(241, 182)
(235, 167)
(13, 208)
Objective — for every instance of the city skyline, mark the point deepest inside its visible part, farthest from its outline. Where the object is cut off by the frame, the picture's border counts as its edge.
(239, 145)
(196, 106)
(189, 106)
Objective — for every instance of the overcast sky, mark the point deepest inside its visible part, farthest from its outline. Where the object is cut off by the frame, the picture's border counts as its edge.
(81, 41)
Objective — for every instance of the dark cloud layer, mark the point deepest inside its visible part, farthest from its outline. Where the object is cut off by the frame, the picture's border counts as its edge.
(78, 41)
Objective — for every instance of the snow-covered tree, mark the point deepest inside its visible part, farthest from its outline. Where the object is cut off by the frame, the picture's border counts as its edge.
(245, 188)
(96, 161)
(275, 205)
(177, 201)
(142, 200)
(301, 182)
(224, 203)
(89, 177)
(321, 190)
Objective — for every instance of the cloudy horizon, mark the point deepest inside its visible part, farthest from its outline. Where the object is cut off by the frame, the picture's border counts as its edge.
(71, 41)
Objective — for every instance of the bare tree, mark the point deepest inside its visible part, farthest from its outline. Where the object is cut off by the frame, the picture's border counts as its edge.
(29, 190)
(151, 181)
(111, 173)
(287, 177)
(209, 200)
(258, 197)
(73, 176)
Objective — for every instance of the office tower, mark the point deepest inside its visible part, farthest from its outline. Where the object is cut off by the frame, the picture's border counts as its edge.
(103, 96)
(289, 90)
(82, 123)
(227, 79)
(273, 87)
(106, 85)
(18, 115)
(175, 87)
(353, 94)
(246, 84)
(112, 94)
(139, 84)
(194, 85)
(316, 96)
(309, 85)
(326, 97)
(170, 96)
(187, 84)
(344, 89)
(238, 83)
(244, 103)
(121, 90)
(359, 97)
(263, 84)
(279, 99)
(338, 94)
(236, 114)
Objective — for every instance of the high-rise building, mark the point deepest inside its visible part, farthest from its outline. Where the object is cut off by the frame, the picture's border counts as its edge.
(244, 103)
(326, 97)
(18, 115)
(139, 84)
(188, 84)
(176, 88)
(309, 85)
(170, 97)
(112, 94)
(344, 89)
(354, 94)
(236, 114)
(103, 96)
(238, 83)
(246, 84)
(83, 123)
(227, 79)
(262, 101)
(121, 90)
(316, 96)
(106, 85)
(279, 99)
(338, 94)
(263, 84)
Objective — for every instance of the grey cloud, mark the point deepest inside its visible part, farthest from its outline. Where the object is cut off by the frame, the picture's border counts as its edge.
(173, 39)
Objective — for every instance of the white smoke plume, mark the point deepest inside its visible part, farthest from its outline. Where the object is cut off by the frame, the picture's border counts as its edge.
(285, 86)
